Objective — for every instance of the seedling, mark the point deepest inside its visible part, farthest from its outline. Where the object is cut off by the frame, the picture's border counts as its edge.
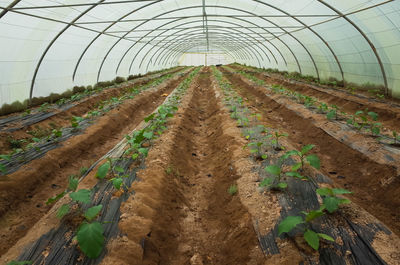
(275, 182)
(233, 189)
(257, 149)
(75, 121)
(330, 201)
(396, 138)
(376, 128)
(364, 116)
(56, 133)
(312, 159)
(44, 107)
(333, 113)
(309, 101)
(322, 108)
(276, 135)
(303, 222)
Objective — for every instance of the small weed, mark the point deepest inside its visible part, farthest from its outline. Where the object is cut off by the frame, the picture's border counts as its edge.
(233, 189)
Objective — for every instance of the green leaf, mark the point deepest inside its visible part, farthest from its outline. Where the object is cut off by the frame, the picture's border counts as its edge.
(103, 170)
(119, 169)
(148, 135)
(73, 183)
(264, 156)
(282, 185)
(326, 237)
(341, 191)
(294, 175)
(331, 203)
(290, 153)
(344, 201)
(314, 161)
(265, 182)
(92, 212)
(331, 115)
(313, 214)
(143, 151)
(150, 117)
(3, 169)
(55, 198)
(273, 169)
(5, 157)
(117, 183)
(325, 192)
(64, 209)
(373, 115)
(312, 239)
(289, 223)
(24, 262)
(36, 140)
(252, 151)
(307, 148)
(81, 196)
(359, 112)
(296, 166)
(134, 156)
(90, 239)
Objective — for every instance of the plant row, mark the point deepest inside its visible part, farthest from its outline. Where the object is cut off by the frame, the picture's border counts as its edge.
(265, 146)
(89, 233)
(360, 120)
(372, 89)
(41, 136)
(77, 93)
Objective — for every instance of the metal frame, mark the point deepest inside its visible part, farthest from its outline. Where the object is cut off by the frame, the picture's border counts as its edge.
(214, 6)
(237, 49)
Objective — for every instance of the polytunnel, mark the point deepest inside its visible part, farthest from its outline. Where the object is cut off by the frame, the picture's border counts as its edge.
(200, 132)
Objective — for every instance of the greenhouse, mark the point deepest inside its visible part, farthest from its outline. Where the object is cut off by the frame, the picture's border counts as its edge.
(200, 132)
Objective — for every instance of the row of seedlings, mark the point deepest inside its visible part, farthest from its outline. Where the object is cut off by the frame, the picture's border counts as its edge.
(41, 144)
(266, 147)
(91, 216)
(363, 120)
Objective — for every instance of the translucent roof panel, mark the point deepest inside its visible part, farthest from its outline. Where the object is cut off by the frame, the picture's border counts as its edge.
(49, 46)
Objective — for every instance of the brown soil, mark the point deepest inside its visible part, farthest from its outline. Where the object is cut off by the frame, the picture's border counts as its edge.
(359, 173)
(24, 193)
(63, 118)
(389, 115)
(182, 212)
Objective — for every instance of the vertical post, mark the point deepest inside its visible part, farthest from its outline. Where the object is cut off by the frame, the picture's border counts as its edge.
(205, 59)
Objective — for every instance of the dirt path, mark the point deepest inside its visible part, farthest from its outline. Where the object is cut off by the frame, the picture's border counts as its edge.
(24, 193)
(182, 209)
(352, 170)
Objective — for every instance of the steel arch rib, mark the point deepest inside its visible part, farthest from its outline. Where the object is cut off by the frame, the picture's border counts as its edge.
(241, 54)
(230, 8)
(370, 43)
(209, 20)
(176, 49)
(157, 51)
(101, 33)
(160, 51)
(177, 46)
(242, 47)
(53, 41)
(196, 21)
(309, 28)
(190, 32)
(10, 6)
(181, 51)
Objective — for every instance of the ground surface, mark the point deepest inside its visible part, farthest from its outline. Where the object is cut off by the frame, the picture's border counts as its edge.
(181, 211)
